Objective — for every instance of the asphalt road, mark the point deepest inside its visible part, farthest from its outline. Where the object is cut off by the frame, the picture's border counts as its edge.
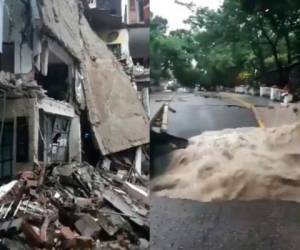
(196, 114)
(256, 100)
(234, 225)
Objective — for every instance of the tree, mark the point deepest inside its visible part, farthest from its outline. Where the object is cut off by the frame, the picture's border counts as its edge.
(170, 53)
(241, 40)
(158, 28)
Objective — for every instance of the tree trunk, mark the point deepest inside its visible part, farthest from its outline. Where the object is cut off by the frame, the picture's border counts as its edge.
(273, 45)
(277, 62)
(260, 56)
(288, 47)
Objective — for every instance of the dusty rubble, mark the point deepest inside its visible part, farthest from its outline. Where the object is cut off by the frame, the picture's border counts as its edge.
(236, 164)
(74, 206)
(20, 85)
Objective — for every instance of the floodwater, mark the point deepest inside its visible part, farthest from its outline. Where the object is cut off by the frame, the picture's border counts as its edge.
(237, 164)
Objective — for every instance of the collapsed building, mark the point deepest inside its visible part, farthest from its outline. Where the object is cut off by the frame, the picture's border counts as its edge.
(124, 27)
(73, 76)
(64, 98)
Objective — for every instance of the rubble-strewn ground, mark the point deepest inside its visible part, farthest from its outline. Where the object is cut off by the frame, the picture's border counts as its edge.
(75, 206)
(245, 164)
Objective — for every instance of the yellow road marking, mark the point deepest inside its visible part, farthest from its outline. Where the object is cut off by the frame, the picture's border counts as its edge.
(251, 106)
(258, 118)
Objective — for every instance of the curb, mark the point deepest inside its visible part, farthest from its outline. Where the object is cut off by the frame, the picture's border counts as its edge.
(165, 114)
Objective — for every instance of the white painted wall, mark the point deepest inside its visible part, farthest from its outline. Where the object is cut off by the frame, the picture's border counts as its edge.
(13, 23)
(122, 39)
(75, 140)
(125, 11)
(265, 91)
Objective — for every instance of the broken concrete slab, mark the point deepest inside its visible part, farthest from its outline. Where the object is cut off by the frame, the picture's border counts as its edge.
(20, 86)
(110, 223)
(87, 226)
(116, 200)
(117, 117)
(61, 24)
(138, 161)
(137, 192)
(83, 202)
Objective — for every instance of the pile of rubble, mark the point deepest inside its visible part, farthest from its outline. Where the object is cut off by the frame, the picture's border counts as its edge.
(20, 85)
(135, 72)
(73, 206)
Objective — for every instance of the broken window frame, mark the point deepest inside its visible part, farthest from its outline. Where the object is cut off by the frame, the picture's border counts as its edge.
(140, 10)
(7, 143)
(22, 139)
(50, 151)
(7, 57)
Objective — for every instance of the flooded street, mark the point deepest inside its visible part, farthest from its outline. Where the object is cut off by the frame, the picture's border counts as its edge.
(229, 158)
(192, 115)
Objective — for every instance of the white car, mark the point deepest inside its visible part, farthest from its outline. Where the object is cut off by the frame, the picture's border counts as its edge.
(182, 90)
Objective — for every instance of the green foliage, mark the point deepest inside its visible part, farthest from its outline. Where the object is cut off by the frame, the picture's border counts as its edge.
(242, 39)
(158, 28)
(170, 53)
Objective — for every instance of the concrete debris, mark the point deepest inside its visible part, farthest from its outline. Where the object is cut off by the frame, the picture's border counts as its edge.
(77, 207)
(20, 85)
(137, 192)
(137, 73)
(87, 226)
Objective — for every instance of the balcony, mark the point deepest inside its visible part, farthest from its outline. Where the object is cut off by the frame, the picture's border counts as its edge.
(103, 14)
(111, 6)
(139, 43)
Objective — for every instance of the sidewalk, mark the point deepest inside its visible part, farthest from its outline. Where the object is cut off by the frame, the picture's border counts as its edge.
(268, 113)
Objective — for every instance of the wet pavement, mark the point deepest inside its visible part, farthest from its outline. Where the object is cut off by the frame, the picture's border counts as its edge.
(256, 100)
(234, 225)
(196, 114)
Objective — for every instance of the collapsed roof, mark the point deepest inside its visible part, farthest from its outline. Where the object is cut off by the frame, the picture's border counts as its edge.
(117, 117)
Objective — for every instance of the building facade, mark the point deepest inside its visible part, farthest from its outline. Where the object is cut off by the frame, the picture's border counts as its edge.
(61, 89)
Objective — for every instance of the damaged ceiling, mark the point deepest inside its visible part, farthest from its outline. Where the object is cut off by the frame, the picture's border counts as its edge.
(117, 117)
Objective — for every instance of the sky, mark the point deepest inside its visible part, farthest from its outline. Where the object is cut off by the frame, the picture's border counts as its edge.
(176, 14)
